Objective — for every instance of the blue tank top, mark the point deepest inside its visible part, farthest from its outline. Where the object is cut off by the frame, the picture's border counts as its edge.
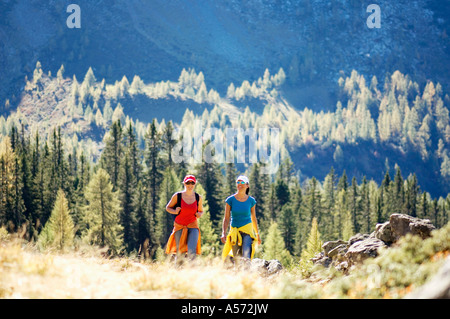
(240, 211)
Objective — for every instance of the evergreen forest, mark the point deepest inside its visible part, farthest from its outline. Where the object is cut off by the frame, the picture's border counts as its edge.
(62, 199)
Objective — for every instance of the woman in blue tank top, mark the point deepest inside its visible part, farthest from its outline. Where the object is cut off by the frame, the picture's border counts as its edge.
(240, 212)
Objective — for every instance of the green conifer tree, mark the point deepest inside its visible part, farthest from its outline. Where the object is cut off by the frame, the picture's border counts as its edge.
(411, 193)
(58, 232)
(143, 222)
(364, 204)
(398, 190)
(79, 201)
(274, 246)
(168, 143)
(164, 221)
(282, 193)
(343, 182)
(23, 152)
(347, 228)
(7, 169)
(127, 186)
(340, 213)
(131, 146)
(16, 213)
(299, 220)
(354, 204)
(313, 200)
(288, 226)
(113, 153)
(152, 155)
(46, 176)
(329, 201)
(424, 206)
(102, 213)
(209, 174)
(37, 187)
(313, 247)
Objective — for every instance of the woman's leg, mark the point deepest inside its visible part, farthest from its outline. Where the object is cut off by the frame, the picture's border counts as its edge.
(246, 249)
(192, 241)
(246, 246)
(177, 242)
(177, 238)
(237, 251)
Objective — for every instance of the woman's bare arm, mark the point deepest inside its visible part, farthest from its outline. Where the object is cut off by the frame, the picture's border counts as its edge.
(226, 222)
(255, 224)
(171, 204)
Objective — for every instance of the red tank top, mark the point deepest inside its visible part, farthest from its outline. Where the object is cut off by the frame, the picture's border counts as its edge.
(187, 213)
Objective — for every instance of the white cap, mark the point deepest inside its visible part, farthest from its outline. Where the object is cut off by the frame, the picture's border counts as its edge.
(242, 178)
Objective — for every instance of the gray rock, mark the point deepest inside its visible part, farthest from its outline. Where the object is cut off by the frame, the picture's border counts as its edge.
(338, 251)
(402, 224)
(383, 232)
(357, 237)
(330, 245)
(274, 267)
(363, 249)
(343, 266)
(266, 267)
(321, 259)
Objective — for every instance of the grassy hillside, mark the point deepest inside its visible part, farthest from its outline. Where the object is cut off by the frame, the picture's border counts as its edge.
(28, 273)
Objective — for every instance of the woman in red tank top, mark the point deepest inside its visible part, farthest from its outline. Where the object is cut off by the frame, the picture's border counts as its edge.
(187, 212)
(185, 237)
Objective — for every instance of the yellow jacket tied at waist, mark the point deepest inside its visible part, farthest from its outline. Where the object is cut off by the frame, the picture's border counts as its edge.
(234, 237)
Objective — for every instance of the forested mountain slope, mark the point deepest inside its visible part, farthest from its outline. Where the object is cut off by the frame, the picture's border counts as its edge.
(372, 128)
(229, 41)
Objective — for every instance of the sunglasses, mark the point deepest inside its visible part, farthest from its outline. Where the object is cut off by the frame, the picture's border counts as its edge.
(240, 182)
(190, 183)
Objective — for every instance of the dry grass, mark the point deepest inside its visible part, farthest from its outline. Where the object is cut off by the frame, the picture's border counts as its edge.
(26, 273)
(205, 279)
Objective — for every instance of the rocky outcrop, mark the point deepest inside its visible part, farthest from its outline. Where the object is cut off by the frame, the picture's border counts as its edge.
(363, 249)
(266, 267)
(331, 246)
(383, 232)
(322, 259)
(344, 254)
(401, 225)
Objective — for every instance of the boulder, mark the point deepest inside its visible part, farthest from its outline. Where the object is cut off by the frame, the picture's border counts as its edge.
(343, 266)
(342, 255)
(357, 237)
(266, 267)
(321, 259)
(338, 252)
(274, 267)
(383, 232)
(402, 224)
(330, 245)
(363, 249)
